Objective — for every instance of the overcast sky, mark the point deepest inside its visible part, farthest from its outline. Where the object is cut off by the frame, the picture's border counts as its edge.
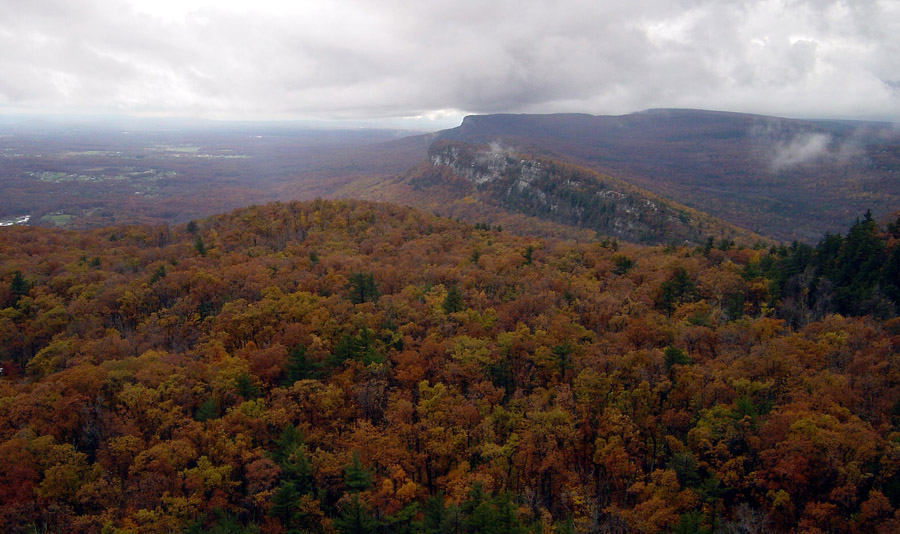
(431, 62)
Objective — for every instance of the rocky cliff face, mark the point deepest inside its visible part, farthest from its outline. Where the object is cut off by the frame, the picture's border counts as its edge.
(566, 194)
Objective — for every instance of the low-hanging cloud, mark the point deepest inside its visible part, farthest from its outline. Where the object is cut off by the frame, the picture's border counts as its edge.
(359, 59)
(801, 149)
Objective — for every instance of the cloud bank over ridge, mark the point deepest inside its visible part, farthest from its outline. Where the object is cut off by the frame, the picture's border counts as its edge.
(352, 59)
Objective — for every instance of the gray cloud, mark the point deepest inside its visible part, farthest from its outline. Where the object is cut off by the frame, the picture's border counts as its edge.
(801, 149)
(398, 58)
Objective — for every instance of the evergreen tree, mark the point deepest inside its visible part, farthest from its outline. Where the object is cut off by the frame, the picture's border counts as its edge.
(290, 439)
(434, 514)
(827, 253)
(564, 527)
(623, 264)
(297, 470)
(299, 367)
(795, 260)
(860, 263)
(506, 518)
(685, 466)
(356, 477)
(453, 301)
(404, 521)
(360, 347)
(355, 518)
(296, 478)
(893, 228)
(563, 353)
(677, 289)
(675, 356)
(529, 251)
(199, 246)
(246, 387)
(207, 410)
(285, 503)
(290, 453)
(363, 288)
(691, 523)
(480, 516)
(158, 274)
(18, 288)
(890, 276)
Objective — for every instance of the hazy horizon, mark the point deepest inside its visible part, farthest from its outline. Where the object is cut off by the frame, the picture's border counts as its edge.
(41, 122)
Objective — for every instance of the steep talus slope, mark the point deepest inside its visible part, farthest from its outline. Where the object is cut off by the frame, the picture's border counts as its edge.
(495, 184)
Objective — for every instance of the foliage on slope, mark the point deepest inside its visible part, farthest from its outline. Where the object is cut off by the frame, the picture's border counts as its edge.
(541, 196)
(786, 179)
(854, 275)
(352, 367)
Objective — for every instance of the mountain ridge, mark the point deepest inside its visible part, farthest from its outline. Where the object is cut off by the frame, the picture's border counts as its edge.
(538, 195)
(785, 178)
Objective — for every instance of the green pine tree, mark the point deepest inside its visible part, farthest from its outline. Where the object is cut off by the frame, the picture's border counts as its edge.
(360, 347)
(246, 387)
(505, 517)
(356, 477)
(404, 521)
(296, 469)
(691, 523)
(529, 251)
(890, 276)
(158, 274)
(355, 518)
(207, 410)
(290, 439)
(363, 288)
(300, 366)
(18, 288)
(479, 513)
(623, 264)
(860, 264)
(285, 505)
(675, 356)
(677, 289)
(566, 526)
(453, 302)
(434, 514)
(199, 246)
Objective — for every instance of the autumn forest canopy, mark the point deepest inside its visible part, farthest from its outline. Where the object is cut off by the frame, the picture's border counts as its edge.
(344, 366)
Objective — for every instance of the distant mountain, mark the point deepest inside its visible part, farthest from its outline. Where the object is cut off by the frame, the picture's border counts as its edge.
(785, 178)
(541, 196)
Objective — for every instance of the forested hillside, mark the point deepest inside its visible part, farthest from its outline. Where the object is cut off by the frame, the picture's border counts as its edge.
(784, 178)
(493, 185)
(356, 367)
